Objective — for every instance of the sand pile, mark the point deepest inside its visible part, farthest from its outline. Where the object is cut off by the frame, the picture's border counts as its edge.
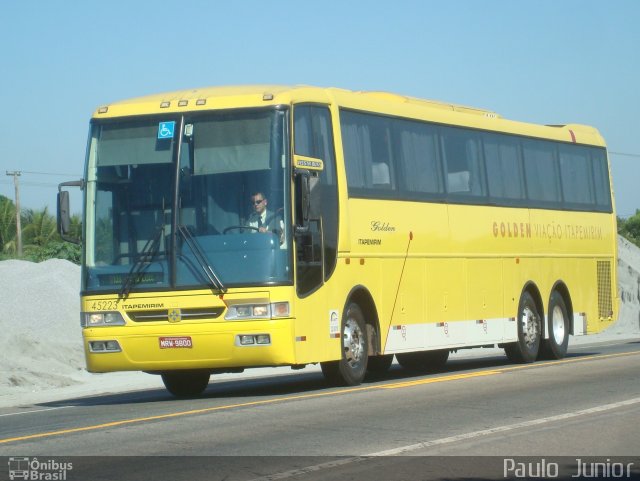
(40, 324)
(628, 287)
(41, 355)
(41, 342)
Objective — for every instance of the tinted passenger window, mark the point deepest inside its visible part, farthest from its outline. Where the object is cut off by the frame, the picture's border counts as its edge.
(504, 170)
(575, 173)
(368, 153)
(540, 171)
(461, 153)
(601, 179)
(418, 166)
(394, 158)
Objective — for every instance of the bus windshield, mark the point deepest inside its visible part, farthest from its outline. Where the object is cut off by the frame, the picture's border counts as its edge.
(188, 202)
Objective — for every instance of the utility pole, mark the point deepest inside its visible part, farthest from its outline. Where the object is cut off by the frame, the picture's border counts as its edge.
(16, 174)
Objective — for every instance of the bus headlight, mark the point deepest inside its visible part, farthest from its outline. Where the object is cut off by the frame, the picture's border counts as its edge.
(260, 311)
(237, 312)
(280, 309)
(99, 319)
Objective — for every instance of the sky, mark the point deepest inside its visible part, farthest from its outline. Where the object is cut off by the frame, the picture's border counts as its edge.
(541, 61)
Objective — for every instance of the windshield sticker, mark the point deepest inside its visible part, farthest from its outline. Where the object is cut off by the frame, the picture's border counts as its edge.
(166, 130)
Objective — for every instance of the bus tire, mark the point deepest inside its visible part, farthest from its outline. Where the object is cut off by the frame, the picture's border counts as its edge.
(351, 368)
(379, 364)
(185, 384)
(555, 347)
(526, 348)
(424, 360)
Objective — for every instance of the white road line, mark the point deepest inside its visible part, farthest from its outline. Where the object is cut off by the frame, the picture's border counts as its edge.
(34, 411)
(509, 427)
(447, 440)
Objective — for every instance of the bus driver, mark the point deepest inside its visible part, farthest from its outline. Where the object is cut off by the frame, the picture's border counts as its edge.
(264, 220)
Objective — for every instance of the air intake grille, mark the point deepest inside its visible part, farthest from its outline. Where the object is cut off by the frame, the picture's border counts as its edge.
(605, 305)
(200, 314)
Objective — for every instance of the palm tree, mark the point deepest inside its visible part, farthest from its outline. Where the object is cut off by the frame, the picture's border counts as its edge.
(7, 224)
(40, 228)
(41, 240)
(76, 226)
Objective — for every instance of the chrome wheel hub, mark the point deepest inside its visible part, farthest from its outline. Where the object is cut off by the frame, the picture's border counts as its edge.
(530, 326)
(558, 325)
(353, 342)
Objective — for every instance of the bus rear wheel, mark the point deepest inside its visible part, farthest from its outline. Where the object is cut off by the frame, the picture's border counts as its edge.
(351, 368)
(186, 383)
(526, 348)
(424, 360)
(555, 347)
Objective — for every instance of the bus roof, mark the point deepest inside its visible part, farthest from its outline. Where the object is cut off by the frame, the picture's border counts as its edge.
(246, 96)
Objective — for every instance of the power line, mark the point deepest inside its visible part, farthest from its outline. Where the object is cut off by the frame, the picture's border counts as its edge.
(30, 184)
(39, 184)
(49, 173)
(625, 154)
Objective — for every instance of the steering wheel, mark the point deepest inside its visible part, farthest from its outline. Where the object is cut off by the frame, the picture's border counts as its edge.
(241, 228)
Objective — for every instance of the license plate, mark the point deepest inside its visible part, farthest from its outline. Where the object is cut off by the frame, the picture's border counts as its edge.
(175, 342)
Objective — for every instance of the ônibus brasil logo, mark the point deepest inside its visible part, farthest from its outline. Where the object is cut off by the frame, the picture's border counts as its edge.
(34, 469)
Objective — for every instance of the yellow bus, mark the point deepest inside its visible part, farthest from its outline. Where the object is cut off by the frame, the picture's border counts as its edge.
(235, 227)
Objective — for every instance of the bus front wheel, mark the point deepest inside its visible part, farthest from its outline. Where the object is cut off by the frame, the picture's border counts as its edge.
(186, 383)
(526, 348)
(351, 368)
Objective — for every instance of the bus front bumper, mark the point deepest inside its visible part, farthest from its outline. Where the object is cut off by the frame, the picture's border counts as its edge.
(190, 346)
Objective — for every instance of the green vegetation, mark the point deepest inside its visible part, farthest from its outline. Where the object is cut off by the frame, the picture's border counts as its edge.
(630, 228)
(40, 239)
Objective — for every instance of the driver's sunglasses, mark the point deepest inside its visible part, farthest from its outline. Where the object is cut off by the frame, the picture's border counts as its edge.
(256, 202)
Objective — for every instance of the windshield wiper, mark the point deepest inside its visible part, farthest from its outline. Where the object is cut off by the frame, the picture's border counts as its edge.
(147, 254)
(201, 258)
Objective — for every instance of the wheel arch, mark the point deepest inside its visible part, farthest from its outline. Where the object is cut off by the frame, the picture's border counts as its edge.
(362, 296)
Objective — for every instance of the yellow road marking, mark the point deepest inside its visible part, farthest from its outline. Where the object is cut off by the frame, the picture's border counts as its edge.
(453, 377)
(399, 385)
(180, 414)
(568, 361)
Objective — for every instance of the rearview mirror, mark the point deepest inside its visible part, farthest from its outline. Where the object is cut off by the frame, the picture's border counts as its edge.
(64, 213)
(64, 217)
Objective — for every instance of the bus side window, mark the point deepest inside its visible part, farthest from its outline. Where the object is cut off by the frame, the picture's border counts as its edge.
(462, 157)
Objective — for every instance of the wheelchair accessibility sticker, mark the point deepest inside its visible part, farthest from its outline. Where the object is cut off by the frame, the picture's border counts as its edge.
(166, 130)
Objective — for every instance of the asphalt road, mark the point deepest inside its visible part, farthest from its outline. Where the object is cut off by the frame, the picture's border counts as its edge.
(296, 427)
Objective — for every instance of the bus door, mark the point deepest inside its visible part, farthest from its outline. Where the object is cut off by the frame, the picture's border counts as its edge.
(316, 217)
